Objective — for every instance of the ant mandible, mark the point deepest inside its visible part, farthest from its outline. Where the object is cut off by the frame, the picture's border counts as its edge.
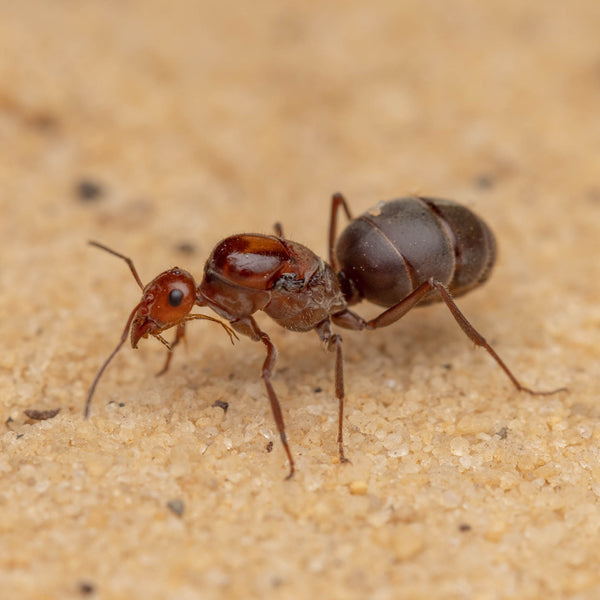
(399, 254)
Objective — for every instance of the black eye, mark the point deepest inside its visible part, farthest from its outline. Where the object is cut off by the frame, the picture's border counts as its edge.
(175, 297)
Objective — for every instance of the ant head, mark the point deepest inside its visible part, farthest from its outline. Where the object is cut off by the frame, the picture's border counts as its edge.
(166, 301)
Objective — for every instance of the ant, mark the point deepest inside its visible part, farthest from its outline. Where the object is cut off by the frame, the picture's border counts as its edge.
(399, 254)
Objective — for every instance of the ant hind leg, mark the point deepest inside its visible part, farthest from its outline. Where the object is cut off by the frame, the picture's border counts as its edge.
(351, 320)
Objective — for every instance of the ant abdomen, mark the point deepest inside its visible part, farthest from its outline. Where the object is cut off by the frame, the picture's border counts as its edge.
(388, 251)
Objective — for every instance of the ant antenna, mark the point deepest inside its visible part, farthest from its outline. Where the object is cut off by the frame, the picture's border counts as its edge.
(86, 411)
(127, 260)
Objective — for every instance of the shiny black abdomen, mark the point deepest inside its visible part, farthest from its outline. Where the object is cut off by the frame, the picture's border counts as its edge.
(391, 249)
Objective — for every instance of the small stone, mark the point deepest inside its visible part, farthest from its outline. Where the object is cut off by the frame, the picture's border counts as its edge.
(358, 488)
(176, 506)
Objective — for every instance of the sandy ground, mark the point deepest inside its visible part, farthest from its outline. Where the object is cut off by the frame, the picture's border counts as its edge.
(159, 128)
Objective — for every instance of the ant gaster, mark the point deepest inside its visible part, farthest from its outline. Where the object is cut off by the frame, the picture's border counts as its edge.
(398, 254)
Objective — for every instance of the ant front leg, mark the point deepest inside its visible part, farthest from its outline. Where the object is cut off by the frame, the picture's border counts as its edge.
(333, 341)
(179, 335)
(248, 326)
(351, 320)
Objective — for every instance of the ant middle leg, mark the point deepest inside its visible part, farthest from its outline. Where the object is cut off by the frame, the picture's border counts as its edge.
(333, 342)
(351, 320)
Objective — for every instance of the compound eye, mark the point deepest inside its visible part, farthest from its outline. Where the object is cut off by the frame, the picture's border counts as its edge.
(175, 297)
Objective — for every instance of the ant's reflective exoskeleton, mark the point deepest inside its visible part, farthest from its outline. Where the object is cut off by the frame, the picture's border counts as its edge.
(398, 254)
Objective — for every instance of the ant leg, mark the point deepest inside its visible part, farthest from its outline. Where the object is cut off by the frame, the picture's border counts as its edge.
(333, 341)
(179, 335)
(351, 320)
(336, 200)
(278, 228)
(248, 326)
(479, 340)
(127, 260)
(230, 332)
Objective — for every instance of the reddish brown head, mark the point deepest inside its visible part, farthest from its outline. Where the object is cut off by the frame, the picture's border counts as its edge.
(166, 301)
